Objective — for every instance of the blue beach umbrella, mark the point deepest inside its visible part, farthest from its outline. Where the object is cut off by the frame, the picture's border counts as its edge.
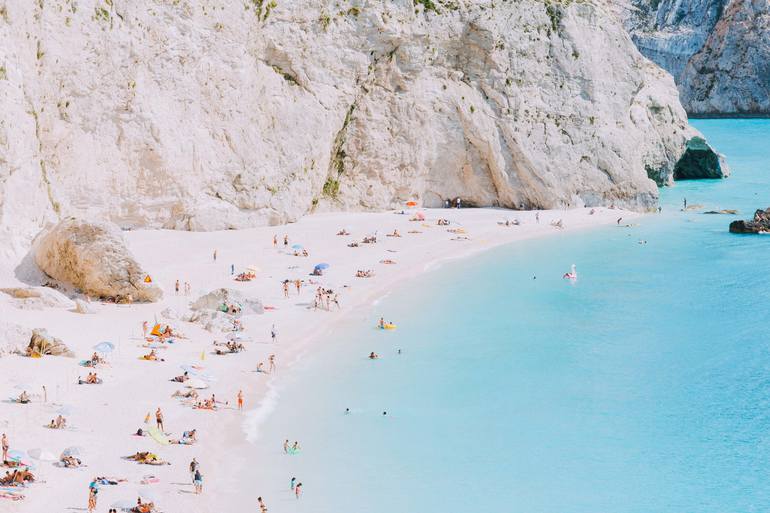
(104, 347)
(322, 266)
(17, 455)
(297, 246)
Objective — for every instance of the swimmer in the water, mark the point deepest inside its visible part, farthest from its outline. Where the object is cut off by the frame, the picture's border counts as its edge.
(347, 411)
(373, 355)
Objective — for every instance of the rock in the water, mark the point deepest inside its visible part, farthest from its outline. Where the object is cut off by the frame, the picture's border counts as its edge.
(700, 161)
(224, 300)
(759, 224)
(41, 343)
(93, 257)
(727, 211)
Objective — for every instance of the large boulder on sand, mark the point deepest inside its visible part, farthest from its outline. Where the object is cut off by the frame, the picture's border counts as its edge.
(219, 299)
(41, 343)
(93, 257)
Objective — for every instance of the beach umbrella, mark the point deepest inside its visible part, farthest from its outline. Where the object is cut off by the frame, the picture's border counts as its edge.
(104, 347)
(411, 203)
(297, 246)
(146, 496)
(17, 455)
(42, 455)
(196, 383)
(66, 409)
(125, 504)
(24, 386)
(72, 451)
(322, 266)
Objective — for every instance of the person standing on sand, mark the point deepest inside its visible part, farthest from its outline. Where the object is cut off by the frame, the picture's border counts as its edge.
(261, 505)
(159, 419)
(198, 481)
(274, 334)
(298, 490)
(285, 446)
(232, 269)
(271, 363)
(215, 255)
(298, 284)
(292, 483)
(275, 241)
(4, 442)
(176, 287)
(286, 289)
(193, 468)
(91, 499)
(381, 324)
(285, 241)
(240, 399)
(144, 329)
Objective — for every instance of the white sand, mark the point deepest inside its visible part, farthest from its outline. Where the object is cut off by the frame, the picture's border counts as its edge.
(104, 417)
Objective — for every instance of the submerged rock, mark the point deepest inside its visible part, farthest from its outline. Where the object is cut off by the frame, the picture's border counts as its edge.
(93, 257)
(759, 224)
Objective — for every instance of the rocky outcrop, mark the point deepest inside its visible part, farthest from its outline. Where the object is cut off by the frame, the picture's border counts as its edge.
(211, 114)
(93, 258)
(224, 299)
(700, 161)
(760, 223)
(37, 298)
(670, 32)
(42, 344)
(717, 50)
(731, 73)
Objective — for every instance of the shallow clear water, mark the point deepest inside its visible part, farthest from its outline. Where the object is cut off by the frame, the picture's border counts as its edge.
(643, 387)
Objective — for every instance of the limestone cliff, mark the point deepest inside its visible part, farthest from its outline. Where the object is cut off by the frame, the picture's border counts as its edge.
(215, 114)
(717, 50)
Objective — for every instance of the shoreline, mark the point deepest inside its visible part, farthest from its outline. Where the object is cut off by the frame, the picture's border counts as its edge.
(298, 327)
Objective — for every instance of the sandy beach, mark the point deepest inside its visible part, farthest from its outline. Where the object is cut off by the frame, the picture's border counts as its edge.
(103, 419)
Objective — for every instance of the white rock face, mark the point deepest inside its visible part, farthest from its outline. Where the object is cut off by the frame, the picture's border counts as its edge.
(93, 258)
(216, 114)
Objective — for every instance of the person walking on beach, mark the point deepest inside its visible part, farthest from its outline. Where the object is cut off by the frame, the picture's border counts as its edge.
(271, 363)
(215, 255)
(285, 446)
(537, 217)
(292, 483)
(261, 505)
(159, 419)
(176, 287)
(298, 285)
(4, 442)
(193, 469)
(232, 269)
(240, 399)
(285, 241)
(286, 289)
(198, 481)
(92, 499)
(298, 490)
(274, 334)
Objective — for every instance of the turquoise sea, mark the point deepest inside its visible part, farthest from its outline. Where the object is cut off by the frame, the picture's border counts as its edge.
(644, 387)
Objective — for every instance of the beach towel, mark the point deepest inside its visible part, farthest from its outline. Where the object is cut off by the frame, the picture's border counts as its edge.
(157, 435)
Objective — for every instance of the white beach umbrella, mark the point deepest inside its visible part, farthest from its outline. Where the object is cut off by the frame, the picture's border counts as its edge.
(72, 451)
(196, 383)
(42, 454)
